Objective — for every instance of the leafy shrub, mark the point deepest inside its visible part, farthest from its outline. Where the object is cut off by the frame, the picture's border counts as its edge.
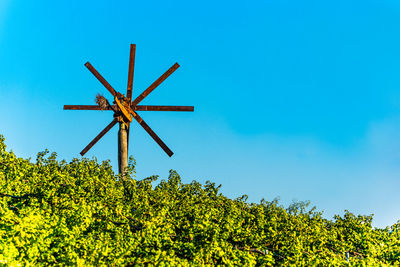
(82, 213)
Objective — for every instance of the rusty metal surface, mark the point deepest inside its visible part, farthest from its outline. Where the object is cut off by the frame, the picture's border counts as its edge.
(137, 108)
(124, 107)
(131, 71)
(128, 108)
(101, 79)
(124, 112)
(84, 107)
(155, 84)
(97, 138)
(88, 107)
(164, 108)
(153, 134)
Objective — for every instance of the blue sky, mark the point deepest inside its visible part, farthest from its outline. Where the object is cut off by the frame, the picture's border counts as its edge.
(296, 99)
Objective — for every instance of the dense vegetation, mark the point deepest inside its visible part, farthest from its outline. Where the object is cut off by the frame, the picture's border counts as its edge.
(81, 213)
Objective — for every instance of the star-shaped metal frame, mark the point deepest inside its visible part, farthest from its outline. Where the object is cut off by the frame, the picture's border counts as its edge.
(123, 106)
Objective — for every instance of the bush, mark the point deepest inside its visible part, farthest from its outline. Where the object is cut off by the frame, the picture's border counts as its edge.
(82, 213)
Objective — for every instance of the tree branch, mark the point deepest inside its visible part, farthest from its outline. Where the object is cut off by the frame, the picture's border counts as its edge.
(17, 197)
(251, 250)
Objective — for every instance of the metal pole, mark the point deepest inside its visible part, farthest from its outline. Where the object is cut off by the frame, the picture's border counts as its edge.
(122, 148)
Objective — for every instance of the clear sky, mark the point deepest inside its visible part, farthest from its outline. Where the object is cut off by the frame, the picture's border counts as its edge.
(293, 99)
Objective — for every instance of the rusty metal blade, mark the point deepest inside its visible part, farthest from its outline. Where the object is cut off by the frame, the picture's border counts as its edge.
(152, 134)
(131, 71)
(164, 108)
(97, 138)
(155, 84)
(86, 107)
(100, 78)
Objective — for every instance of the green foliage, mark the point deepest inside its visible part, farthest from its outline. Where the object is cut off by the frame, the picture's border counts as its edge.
(81, 213)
